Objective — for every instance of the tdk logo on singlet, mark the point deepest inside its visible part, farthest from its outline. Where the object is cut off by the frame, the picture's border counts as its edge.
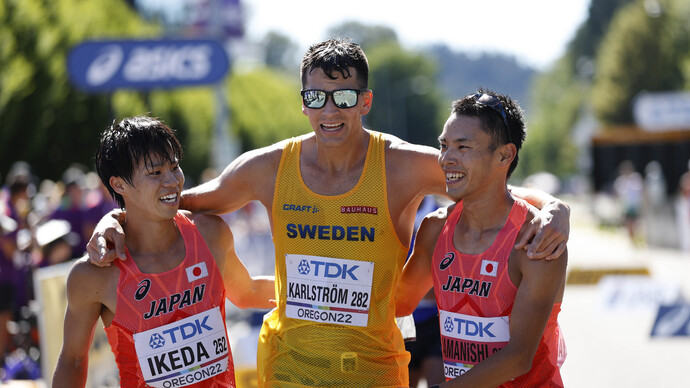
(468, 328)
(181, 332)
(327, 270)
(300, 208)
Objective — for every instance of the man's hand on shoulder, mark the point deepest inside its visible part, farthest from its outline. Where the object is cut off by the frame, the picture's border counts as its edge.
(545, 235)
(107, 242)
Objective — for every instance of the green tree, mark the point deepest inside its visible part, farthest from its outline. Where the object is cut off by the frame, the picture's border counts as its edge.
(407, 101)
(46, 121)
(646, 49)
(561, 93)
(266, 107)
(366, 36)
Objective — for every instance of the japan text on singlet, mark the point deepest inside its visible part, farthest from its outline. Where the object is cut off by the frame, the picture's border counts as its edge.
(475, 298)
(338, 264)
(169, 328)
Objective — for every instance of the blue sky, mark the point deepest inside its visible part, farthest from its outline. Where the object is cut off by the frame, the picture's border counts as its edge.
(535, 31)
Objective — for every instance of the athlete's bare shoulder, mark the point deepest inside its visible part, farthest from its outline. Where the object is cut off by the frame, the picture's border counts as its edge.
(215, 232)
(413, 166)
(90, 284)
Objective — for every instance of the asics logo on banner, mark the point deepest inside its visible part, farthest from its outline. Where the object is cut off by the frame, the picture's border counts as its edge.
(468, 327)
(303, 267)
(328, 270)
(300, 208)
(156, 341)
(105, 66)
(162, 63)
(181, 332)
(447, 260)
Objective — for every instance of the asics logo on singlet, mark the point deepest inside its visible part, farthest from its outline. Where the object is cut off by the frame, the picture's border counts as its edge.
(447, 260)
(182, 332)
(156, 341)
(303, 267)
(328, 270)
(143, 289)
(300, 208)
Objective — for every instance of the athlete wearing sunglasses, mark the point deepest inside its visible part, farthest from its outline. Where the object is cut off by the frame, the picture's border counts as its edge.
(342, 98)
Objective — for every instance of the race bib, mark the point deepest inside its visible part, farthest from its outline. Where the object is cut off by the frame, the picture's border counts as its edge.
(330, 290)
(466, 340)
(184, 352)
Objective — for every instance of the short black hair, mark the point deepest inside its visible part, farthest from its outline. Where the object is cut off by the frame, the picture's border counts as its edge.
(125, 144)
(492, 121)
(336, 55)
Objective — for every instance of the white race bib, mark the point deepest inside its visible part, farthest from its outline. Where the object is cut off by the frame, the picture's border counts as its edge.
(330, 290)
(184, 352)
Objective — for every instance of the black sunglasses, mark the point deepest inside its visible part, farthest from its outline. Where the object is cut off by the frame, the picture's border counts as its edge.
(494, 103)
(342, 98)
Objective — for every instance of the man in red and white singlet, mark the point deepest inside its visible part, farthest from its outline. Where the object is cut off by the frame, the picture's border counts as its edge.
(163, 307)
(497, 308)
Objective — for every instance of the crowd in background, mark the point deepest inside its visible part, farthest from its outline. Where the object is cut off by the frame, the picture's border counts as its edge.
(638, 200)
(42, 223)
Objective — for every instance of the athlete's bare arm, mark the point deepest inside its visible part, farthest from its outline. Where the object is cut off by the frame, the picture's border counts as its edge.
(243, 290)
(90, 294)
(540, 285)
(249, 177)
(413, 172)
(417, 278)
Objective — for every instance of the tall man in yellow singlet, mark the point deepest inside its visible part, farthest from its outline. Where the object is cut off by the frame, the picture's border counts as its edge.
(342, 203)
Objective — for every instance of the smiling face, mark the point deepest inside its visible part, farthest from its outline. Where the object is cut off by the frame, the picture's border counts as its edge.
(334, 126)
(155, 188)
(467, 159)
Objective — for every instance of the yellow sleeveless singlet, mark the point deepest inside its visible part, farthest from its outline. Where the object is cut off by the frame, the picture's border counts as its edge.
(338, 264)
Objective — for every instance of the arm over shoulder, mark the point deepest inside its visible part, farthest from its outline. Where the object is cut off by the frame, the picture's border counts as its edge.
(414, 165)
(243, 290)
(249, 177)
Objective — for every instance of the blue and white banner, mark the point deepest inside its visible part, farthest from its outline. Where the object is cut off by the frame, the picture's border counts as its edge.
(99, 66)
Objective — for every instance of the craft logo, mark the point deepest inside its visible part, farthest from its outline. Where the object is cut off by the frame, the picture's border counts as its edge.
(300, 208)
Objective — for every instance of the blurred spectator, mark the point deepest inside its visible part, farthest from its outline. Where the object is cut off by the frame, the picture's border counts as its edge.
(683, 210)
(7, 289)
(98, 202)
(72, 207)
(21, 188)
(55, 240)
(628, 188)
(658, 210)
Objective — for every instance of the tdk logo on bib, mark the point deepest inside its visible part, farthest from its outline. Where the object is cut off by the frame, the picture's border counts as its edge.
(156, 341)
(146, 64)
(477, 329)
(328, 270)
(181, 332)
